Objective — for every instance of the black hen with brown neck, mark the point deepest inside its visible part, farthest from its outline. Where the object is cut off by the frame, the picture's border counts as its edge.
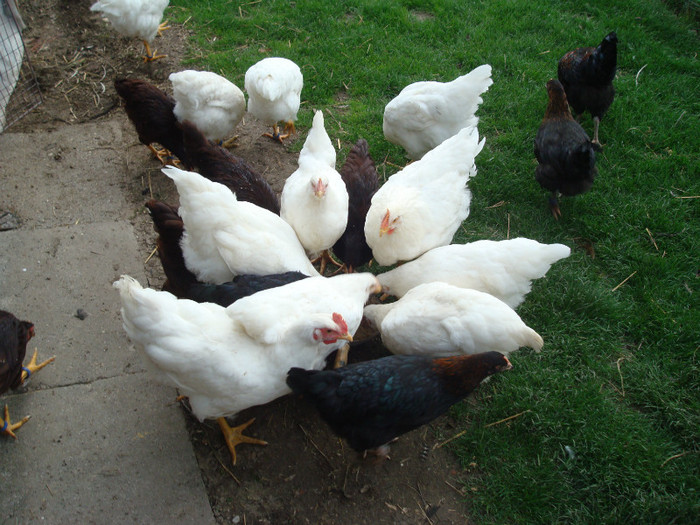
(150, 110)
(587, 74)
(373, 402)
(563, 150)
(220, 165)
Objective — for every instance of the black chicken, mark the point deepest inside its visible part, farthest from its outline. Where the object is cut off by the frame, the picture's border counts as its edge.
(373, 402)
(361, 181)
(183, 284)
(587, 74)
(563, 150)
(151, 112)
(219, 165)
(14, 336)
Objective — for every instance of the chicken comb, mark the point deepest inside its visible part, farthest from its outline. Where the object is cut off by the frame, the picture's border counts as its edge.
(338, 319)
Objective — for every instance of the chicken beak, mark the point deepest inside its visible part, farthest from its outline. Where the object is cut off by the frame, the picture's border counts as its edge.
(385, 226)
(376, 287)
(346, 336)
(319, 188)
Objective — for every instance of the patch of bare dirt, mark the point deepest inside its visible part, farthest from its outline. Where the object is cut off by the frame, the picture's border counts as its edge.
(305, 474)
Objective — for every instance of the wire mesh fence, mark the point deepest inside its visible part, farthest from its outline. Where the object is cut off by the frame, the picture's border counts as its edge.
(19, 89)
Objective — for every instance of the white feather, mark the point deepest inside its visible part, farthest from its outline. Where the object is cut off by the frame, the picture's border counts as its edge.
(438, 319)
(318, 219)
(225, 237)
(135, 18)
(424, 114)
(206, 352)
(427, 200)
(274, 90)
(504, 269)
(211, 102)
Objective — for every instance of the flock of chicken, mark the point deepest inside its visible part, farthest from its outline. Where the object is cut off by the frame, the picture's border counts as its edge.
(245, 317)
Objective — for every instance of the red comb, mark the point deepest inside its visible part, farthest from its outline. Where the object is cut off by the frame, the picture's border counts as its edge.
(338, 319)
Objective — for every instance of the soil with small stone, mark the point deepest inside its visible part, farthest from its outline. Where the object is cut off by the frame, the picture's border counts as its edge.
(305, 474)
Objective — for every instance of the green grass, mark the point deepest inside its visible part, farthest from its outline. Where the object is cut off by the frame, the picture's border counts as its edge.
(618, 380)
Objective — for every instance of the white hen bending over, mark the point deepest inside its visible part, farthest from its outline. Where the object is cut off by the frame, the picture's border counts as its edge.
(274, 93)
(424, 114)
(440, 320)
(211, 357)
(211, 102)
(423, 205)
(225, 237)
(504, 269)
(135, 18)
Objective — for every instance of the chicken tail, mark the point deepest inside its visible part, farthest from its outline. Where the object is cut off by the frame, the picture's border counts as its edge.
(532, 339)
(169, 226)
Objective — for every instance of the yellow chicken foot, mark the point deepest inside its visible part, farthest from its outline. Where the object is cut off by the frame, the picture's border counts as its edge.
(341, 358)
(33, 367)
(162, 27)
(164, 156)
(7, 427)
(234, 436)
(324, 259)
(275, 135)
(151, 55)
(230, 143)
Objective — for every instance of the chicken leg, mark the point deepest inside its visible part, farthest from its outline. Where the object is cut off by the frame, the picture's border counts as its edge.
(7, 427)
(234, 436)
(324, 259)
(32, 367)
(275, 135)
(554, 206)
(151, 54)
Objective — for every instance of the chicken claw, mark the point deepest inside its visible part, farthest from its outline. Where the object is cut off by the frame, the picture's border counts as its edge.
(151, 54)
(162, 27)
(164, 156)
(324, 259)
(8, 427)
(289, 128)
(234, 435)
(554, 206)
(33, 367)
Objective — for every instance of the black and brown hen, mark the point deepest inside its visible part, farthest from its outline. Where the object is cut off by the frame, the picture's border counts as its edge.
(14, 336)
(150, 110)
(587, 74)
(360, 176)
(563, 150)
(373, 402)
(220, 165)
(183, 284)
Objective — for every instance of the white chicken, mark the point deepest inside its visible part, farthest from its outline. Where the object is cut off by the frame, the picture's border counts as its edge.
(225, 237)
(274, 93)
(504, 269)
(211, 102)
(211, 357)
(345, 294)
(424, 114)
(314, 199)
(135, 18)
(423, 205)
(440, 320)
